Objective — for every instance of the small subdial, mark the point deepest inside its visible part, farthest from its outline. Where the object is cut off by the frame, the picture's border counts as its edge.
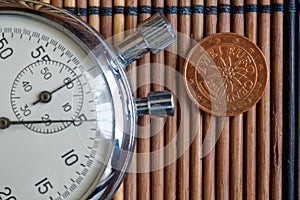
(49, 92)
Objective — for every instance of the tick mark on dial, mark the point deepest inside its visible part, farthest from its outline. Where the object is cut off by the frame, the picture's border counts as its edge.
(30, 70)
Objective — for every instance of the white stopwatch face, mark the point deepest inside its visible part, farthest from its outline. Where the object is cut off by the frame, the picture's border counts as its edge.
(68, 116)
(56, 114)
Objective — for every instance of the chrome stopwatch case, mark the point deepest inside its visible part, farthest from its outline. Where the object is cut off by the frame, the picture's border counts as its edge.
(67, 115)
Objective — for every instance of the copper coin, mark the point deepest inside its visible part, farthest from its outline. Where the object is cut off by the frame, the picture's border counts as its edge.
(225, 74)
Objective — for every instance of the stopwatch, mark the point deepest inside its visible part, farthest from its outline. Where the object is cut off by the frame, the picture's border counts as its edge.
(68, 115)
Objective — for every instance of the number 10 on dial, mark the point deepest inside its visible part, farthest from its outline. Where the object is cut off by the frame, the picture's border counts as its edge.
(56, 127)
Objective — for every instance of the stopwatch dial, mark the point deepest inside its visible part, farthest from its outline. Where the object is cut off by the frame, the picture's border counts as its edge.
(57, 123)
(47, 91)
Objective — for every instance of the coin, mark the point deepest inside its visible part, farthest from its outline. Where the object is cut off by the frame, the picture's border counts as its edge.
(225, 74)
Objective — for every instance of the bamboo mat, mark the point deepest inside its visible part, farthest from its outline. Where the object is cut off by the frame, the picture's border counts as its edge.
(250, 159)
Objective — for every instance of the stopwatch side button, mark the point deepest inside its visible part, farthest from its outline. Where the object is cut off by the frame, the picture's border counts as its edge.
(157, 32)
(156, 104)
(154, 34)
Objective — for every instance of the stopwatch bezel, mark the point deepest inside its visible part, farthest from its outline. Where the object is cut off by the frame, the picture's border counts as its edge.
(114, 74)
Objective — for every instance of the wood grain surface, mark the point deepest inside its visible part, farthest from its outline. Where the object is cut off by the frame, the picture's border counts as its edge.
(131, 21)
(157, 124)
(247, 161)
(264, 111)
(144, 132)
(209, 173)
(289, 98)
(94, 17)
(183, 168)
(171, 123)
(276, 103)
(223, 127)
(196, 163)
(118, 36)
(236, 124)
(250, 119)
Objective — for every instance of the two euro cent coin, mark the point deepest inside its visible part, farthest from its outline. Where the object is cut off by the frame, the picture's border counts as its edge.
(225, 74)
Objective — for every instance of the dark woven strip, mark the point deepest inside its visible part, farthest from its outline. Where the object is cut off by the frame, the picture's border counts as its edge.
(106, 11)
(290, 8)
(130, 10)
(197, 9)
(118, 9)
(277, 7)
(264, 8)
(224, 8)
(184, 10)
(237, 9)
(94, 10)
(70, 9)
(171, 9)
(81, 11)
(251, 8)
(158, 10)
(145, 9)
(211, 10)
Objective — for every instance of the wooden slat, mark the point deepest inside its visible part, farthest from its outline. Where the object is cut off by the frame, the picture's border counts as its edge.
(263, 108)
(106, 20)
(58, 3)
(209, 189)
(157, 124)
(250, 119)
(130, 182)
(94, 18)
(276, 103)
(171, 123)
(82, 6)
(223, 145)
(118, 36)
(289, 98)
(143, 142)
(196, 119)
(236, 125)
(183, 137)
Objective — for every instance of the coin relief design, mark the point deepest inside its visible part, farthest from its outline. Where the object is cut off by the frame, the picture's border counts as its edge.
(225, 74)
